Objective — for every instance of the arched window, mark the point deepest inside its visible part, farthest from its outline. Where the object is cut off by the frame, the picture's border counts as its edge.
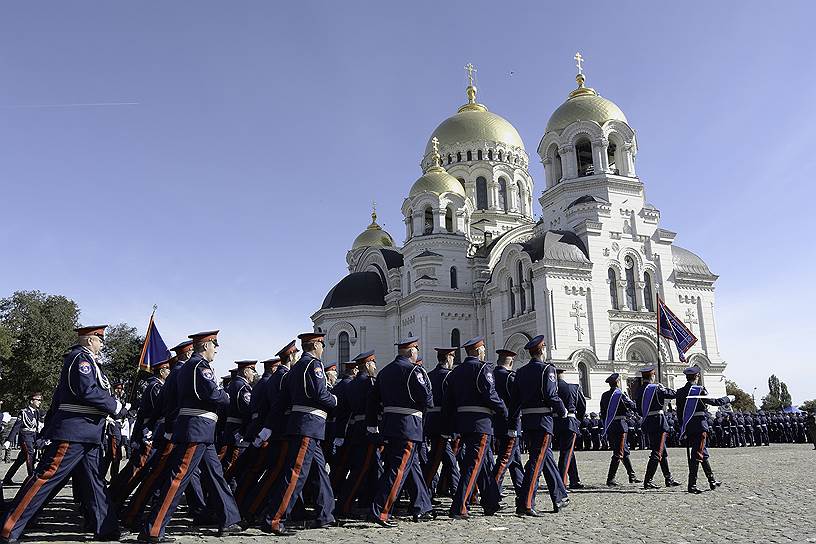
(610, 156)
(481, 193)
(429, 221)
(450, 159)
(500, 155)
(522, 198)
(479, 155)
(522, 296)
(532, 293)
(448, 220)
(458, 156)
(503, 194)
(454, 279)
(631, 302)
(557, 169)
(613, 289)
(343, 347)
(408, 285)
(455, 341)
(490, 154)
(410, 223)
(470, 155)
(647, 292)
(462, 181)
(583, 153)
(583, 379)
(511, 298)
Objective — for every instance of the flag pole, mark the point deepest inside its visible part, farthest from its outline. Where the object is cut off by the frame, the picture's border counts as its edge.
(657, 342)
(143, 353)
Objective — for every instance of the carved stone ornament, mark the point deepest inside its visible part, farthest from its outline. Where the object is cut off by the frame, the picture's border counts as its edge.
(643, 331)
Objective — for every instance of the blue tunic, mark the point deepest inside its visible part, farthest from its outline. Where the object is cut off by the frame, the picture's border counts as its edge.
(471, 401)
(308, 398)
(535, 397)
(402, 393)
(199, 398)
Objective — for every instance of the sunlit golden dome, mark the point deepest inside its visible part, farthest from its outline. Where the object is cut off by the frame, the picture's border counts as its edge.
(373, 236)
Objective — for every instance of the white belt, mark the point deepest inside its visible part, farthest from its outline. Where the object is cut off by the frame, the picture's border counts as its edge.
(309, 410)
(355, 419)
(235, 420)
(618, 418)
(475, 410)
(81, 409)
(654, 412)
(571, 414)
(540, 410)
(402, 411)
(699, 414)
(435, 410)
(195, 412)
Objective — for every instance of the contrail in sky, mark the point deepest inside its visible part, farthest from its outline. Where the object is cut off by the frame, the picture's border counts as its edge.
(77, 105)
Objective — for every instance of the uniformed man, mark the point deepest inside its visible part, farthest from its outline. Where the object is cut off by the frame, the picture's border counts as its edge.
(199, 398)
(441, 452)
(508, 452)
(364, 456)
(535, 398)
(810, 424)
(651, 398)
(27, 428)
(306, 393)
(239, 415)
(81, 403)
(113, 434)
(614, 404)
(691, 404)
(595, 430)
(331, 374)
(567, 429)
(334, 446)
(586, 433)
(400, 395)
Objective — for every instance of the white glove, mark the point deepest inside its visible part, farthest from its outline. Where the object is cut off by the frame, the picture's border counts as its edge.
(168, 436)
(512, 433)
(147, 434)
(445, 436)
(338, 442)
(118, 407)
(732, 398)
(257, 442)
(6, 445)
(264, 434)
(373, 430)
(127, 406)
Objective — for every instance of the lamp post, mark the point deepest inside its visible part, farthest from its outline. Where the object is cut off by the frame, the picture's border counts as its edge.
(753, 396)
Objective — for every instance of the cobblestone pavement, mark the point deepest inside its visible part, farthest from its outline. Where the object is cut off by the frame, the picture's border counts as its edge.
(769, 495)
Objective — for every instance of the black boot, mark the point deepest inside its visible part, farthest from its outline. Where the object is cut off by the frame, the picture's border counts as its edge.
(712, 481)
(613, 469)
(664, 466)
(694, 466)
(651, 468)
(628, 465)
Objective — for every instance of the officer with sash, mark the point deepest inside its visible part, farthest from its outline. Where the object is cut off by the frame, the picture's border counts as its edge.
(27, 428)
(567, 429)
(691, 403)
(441, 452)
(535, 397)
(508, 452)
(199, 397)
(239, 416)
(614, 404)
(81, 404)
(650, 399)
(364, 456)
(309, 401)
(401, 394)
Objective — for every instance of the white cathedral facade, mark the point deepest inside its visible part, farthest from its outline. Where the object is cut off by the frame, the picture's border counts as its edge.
(475, 261)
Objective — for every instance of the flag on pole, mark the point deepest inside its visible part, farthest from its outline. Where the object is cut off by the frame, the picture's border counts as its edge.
(670, 326)
(154, 348)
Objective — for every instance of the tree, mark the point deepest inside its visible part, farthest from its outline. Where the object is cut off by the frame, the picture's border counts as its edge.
(743, 401)
(38, 330)
(784, 396)
(121, 351)
(778, 396)
(808, 406)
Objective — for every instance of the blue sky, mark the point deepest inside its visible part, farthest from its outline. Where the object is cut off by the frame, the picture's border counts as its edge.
(229, 193)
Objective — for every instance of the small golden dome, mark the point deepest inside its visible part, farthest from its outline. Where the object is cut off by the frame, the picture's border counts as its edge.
(584, 104)
(436, 179)
(373, 236)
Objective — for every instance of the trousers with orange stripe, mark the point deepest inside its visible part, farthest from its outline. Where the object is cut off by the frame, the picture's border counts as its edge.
(441, 454)
(131, 475)
(58, 461)
(477, 469)
(401, 461)
(539, 444)
(304, 455)
(186, 459)
(364, 473)
(567, 465)
(508, 459)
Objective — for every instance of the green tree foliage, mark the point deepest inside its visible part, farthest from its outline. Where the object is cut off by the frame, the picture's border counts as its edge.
(743, 401)
(37, 331)
(784, 396)
(808, 406)
(778, 396)
(120, 354)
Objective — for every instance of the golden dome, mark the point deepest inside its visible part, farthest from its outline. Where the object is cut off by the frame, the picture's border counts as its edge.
(436, 179)
(473, 122)
(584, 104)
(373, 236)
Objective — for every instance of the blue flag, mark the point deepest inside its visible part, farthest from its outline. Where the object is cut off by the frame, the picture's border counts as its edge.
(154, 349)
(670, 326)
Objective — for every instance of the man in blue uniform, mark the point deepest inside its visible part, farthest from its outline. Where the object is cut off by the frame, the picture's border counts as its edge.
(614, 404)
(113, 435)
(239, 416)
(508, 452)
(595, 430)
(309, 401)
(400, 395)
(471, 403)
(199, 397)
(535, 397)
(26, 428)
(650, 399)
(78, 412)
(336, 428)
(691, 404)
(441, 452)
(567, 429)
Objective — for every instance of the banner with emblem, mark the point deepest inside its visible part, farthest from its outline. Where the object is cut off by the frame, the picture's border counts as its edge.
(670, 326)
(154, 349)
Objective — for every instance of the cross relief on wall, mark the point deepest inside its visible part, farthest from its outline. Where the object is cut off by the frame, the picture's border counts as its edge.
(578, 312)
(691, 318)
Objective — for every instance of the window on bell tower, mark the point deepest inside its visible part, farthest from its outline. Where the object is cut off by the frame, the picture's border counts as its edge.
(631, 302)
(503, 194)
(613, 288)
(428, 225)
(583, 154)
(481, 193)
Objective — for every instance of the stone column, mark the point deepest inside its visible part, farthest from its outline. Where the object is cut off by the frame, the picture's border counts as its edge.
(493, 194)
(513, 195)
(600, 160)
(569, 162)
(439, 220)
(639, 296)
(622, 295)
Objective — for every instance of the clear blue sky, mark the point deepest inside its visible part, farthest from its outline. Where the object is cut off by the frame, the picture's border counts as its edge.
(231, 191)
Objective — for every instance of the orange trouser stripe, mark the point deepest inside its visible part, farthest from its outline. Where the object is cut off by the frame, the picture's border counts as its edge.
(392, 495)
(533, 480)
(622, 447)
(430, 470)
(36, 484)
(700, 455)
(505, 458)
(155, 530)
(251, 478)
(270, 478)
(660, 449)
(146, 488)
(293, 479)
(474, 474)
(360, 477)
(569, 459)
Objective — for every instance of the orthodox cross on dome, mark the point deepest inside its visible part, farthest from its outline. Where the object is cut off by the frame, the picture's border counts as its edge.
(691, 318)
(579, 60)
(437, 158)
(373, 212)
(470, 69)
(578, 313)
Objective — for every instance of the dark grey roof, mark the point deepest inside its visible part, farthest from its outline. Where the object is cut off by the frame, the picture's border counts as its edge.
(356, 289)
(588, 198)
(558, 245)
(427, 253)
(426, 277)
(393, 259)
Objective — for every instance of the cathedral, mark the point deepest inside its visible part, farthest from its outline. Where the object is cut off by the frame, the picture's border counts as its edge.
(475, 261)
